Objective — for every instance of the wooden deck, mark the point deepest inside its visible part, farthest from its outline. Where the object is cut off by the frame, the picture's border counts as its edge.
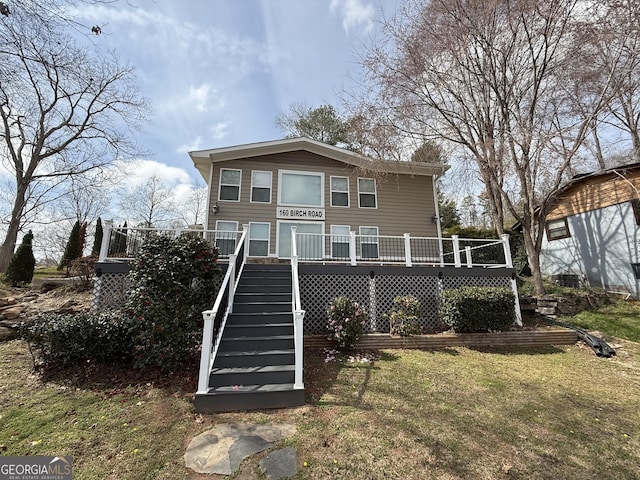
(443, 340)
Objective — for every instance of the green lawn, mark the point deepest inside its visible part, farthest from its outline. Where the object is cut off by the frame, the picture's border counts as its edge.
(621, 319)
(555, 412)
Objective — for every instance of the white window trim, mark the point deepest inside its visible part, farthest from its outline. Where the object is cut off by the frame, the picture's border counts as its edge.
(375, 192)
(220, 185)
(251, 200)
(268, 239)
(218, 237)
(331, 191)
(292, 222)
(331, 235)
(377, 242)
(300, 172)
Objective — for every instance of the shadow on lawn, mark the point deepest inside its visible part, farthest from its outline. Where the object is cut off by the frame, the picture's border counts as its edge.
(321, 371)
(115, 379)
(519, 350)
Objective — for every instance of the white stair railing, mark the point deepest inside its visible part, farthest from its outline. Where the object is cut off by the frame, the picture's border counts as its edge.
(228, 288)
(298, 315)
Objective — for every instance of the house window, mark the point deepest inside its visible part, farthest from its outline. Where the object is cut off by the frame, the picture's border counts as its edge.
(557, 229)
(368, 242)
(226, 234)
(339, 191)
(260, 186)
(635, 204)
(340, 241)
(259, 239)
(230, 184)
(367, 193)
(301, 189)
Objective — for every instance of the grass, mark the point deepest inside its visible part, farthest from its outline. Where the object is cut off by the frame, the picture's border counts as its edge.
(555, 412)
(621, 319)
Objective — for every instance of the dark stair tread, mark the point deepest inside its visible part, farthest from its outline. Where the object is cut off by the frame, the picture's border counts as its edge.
(256, 369)
(286, 351)
(264, 388)
(244, 325)
(261, 337)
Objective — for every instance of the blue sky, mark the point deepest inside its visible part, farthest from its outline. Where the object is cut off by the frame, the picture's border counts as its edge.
(218, 72)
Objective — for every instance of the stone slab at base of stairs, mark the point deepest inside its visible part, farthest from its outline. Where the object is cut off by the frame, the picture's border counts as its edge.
(221, 449)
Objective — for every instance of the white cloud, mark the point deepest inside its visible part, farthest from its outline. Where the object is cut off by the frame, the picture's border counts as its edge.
(140, 171)
(203, 99)
(190, 147)
(354, 13)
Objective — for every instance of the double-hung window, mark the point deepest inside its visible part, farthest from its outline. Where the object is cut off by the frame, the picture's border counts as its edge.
(368, 242)
(339, 191)
(226, 234)
(230, 184)
(260, 186)
(259, 239)
(367, 193)
(557, 229)
(340, 241)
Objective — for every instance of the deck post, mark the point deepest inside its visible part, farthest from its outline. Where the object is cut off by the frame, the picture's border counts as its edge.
(298, 318)
(352, 248)
(245, 228)
(106, 238)
(407, 249)
(456, 251)
(205, 354)
(507, 250)
(467, 251)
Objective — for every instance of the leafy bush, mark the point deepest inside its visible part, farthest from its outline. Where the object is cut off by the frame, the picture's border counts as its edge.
(65, 339)
(346, 322)
(172, 282)
(20, 269)
(403, 319)
(478, 309)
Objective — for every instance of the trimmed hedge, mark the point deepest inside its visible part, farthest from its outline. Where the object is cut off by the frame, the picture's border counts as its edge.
(478, 309)
(65, 339)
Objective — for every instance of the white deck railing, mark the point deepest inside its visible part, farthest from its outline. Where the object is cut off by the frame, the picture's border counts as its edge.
(123, 243)
(222, 307)
(402, 250)
(298, 314)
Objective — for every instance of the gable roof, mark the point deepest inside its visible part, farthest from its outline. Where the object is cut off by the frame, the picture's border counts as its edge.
(596, 190)
(202, 159)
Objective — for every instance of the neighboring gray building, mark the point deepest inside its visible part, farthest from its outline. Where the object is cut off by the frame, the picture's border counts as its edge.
(592, 231)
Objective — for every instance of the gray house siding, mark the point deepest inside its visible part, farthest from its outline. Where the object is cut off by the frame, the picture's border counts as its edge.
(603, 245)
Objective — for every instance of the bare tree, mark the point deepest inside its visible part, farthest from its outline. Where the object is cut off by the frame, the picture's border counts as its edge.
(149, 205)
(193, 211)
(64, 111)
(495, 79)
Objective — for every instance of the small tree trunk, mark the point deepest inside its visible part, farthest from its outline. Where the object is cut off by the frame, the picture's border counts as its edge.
(533, 255)
(9, 244)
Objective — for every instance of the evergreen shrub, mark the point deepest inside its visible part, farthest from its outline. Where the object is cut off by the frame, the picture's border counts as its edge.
(70, 339)
(20, 269)
(478, 309)
(172, 282)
